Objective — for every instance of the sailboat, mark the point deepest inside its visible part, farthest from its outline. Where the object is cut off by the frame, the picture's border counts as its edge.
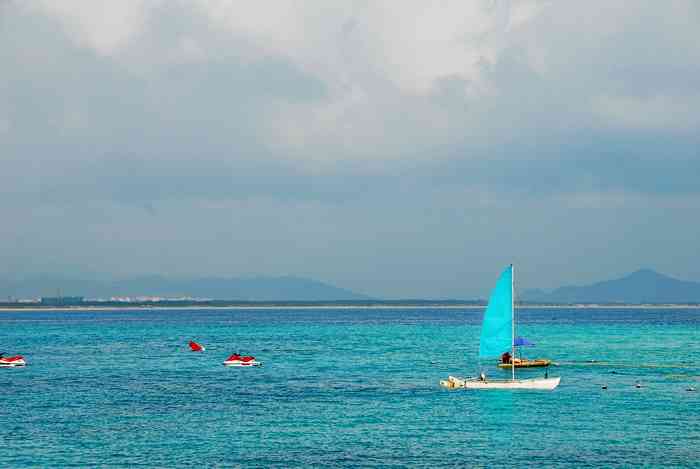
(497, 337)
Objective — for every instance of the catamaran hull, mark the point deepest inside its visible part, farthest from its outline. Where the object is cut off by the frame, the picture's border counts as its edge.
(540, 362)
(546, 384)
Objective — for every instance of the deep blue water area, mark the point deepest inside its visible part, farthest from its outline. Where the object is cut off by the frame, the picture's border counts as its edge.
(355, 387)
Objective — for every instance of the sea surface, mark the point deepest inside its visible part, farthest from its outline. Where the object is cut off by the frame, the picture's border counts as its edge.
(345, 387)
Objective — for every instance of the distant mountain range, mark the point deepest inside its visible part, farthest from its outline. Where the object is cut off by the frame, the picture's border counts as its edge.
(642, 286)
(286, 288)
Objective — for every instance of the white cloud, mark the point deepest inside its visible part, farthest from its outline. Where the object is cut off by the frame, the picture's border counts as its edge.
(399, 79)
(105, 27)
(411, 44)
(521, 12)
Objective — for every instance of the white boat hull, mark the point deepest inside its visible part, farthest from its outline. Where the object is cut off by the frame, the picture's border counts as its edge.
(12, 364)
(546, 384)
(242, 364)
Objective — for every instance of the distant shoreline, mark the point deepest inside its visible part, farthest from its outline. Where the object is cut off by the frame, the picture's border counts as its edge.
(322, 305)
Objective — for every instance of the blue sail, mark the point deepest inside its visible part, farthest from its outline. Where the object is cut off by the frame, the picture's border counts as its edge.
(497, 328)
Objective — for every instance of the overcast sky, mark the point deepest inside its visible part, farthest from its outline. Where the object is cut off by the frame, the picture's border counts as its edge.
(398, 149)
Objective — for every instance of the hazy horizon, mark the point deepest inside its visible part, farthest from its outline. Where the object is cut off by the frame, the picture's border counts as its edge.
(395, 149)
(633, 288)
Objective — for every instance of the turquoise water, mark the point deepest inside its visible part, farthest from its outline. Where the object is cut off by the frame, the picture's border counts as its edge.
(344, 388)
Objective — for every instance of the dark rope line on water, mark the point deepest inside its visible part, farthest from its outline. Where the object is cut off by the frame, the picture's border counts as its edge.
(627, 365)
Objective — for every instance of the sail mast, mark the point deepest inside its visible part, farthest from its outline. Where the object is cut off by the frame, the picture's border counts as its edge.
(512, 323)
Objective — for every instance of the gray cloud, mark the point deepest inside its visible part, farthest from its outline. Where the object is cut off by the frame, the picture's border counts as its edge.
(334, 143)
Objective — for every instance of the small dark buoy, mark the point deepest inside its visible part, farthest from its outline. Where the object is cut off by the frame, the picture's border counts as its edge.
(637, 385)
(605, 386)
(613, 372)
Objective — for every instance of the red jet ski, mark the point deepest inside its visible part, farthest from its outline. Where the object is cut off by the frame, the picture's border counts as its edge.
(195, 347)
(10, 362)
(237, 360)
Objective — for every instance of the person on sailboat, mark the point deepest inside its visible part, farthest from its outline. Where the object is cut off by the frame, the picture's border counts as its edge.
(505, 357)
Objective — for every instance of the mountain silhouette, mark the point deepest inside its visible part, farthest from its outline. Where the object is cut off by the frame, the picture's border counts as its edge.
(286, 288)
(642, 286)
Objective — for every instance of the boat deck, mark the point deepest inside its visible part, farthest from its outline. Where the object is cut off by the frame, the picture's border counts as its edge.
(525, 363)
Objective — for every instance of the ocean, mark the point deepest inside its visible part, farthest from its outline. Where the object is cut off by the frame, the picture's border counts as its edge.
(345, 387)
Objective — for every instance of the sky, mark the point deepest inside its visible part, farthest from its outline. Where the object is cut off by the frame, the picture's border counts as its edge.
(398, 149)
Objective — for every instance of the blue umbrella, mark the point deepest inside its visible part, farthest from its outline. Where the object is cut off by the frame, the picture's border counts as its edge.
(522, 341)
